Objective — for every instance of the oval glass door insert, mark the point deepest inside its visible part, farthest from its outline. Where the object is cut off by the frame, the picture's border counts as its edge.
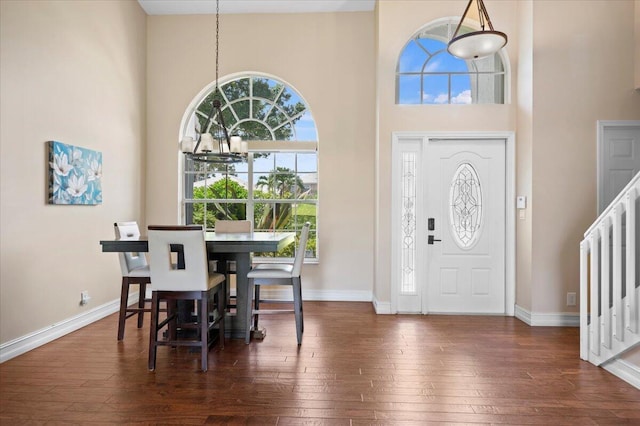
(465, 201)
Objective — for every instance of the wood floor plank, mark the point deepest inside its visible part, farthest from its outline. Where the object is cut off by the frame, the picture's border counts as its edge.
(354, 368)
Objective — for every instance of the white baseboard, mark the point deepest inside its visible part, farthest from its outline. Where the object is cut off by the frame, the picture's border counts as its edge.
(622, 369)
(523, 315)
(337, 295)
(556, 319)
(285, 294)
(381, 308)
(45, 335)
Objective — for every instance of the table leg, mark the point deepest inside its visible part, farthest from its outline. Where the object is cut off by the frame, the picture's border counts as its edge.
(237, 323)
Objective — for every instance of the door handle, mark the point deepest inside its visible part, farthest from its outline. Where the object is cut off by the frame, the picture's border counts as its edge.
(431, 239)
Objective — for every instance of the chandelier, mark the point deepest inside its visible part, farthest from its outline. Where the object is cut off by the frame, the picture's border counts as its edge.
(476, 44)
(213, 143)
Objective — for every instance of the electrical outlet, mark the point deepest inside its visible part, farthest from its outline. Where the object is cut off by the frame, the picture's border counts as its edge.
(84, 297)
(571, 299)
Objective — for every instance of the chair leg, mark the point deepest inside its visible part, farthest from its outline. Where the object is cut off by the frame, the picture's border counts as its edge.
(124, 296)
(204, 329)
(257, 306)
(301, 306)
(247, 336)
(297, 307)
(141, 299)
(222, 312)
(227, 291)
(227, 294)
(153, 334)
(172, 326)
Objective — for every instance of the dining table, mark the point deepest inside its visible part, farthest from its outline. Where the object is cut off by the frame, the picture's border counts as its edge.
(231, 246)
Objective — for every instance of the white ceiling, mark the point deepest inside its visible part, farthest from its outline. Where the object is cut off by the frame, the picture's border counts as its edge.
(197, 7)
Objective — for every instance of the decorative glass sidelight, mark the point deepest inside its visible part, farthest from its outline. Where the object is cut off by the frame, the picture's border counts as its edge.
(465, 200)
(408, 218)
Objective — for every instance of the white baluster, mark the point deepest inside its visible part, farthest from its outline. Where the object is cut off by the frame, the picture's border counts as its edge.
(617, 313)
(605, 284)
(631, 311)
(595, 296)
(584, 283)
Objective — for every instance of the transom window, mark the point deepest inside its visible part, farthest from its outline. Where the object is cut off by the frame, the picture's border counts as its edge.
(277, 188)
(427, 74)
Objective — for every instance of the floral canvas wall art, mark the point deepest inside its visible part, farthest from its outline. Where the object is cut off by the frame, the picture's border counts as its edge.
(75, 175)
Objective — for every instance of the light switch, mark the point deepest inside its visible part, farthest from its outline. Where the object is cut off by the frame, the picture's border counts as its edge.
(521, 202)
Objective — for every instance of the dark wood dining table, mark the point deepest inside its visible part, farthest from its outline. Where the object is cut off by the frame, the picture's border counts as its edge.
(234, 246)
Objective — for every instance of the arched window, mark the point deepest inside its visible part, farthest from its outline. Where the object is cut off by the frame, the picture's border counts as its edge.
(277, 187)
(427, 74)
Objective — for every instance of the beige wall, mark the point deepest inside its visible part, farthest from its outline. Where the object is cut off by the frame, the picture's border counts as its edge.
(329, 59)
(637, 41)
(73, 72)
(583, 61)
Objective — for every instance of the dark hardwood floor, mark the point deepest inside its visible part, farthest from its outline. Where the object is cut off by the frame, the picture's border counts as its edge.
(353, 368)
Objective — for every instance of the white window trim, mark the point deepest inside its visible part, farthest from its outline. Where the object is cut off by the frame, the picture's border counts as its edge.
(504, 56)
(275, 146)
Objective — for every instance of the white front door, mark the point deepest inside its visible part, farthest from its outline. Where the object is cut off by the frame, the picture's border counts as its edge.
(465, 205)
(454, 192)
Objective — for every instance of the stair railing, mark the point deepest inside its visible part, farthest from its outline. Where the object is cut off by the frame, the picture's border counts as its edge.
(609, 287)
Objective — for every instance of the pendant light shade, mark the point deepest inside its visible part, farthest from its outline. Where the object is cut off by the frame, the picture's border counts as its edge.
(476, 44)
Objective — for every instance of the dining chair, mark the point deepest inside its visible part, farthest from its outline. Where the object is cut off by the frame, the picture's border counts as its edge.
(180, 272)
(232, 227)
(135, 270)
(278, 274)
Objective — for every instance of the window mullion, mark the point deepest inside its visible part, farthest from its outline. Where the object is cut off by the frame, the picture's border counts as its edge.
(250, 201)
(250, 98)
(272, 105)
(233, 111)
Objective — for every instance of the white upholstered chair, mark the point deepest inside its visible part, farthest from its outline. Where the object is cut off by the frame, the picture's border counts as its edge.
(232, 227)
(278, 274)
(135, 270)
(180, 271)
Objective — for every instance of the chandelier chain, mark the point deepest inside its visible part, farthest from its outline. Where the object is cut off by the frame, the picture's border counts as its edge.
(217, 40)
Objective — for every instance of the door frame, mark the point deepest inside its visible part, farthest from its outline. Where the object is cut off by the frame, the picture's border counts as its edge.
(602, 126)
(510, 207)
